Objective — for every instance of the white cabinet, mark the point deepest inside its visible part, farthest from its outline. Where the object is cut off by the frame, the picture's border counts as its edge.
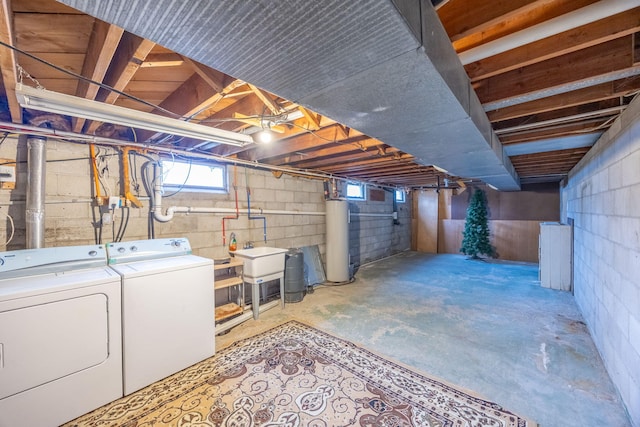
(555, 253)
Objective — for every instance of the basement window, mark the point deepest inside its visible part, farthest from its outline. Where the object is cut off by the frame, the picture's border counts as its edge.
(400, 196)
(179, 175)
(355, 191)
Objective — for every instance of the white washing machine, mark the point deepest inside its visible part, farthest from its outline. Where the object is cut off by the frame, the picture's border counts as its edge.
(60, 335)
(168, 308)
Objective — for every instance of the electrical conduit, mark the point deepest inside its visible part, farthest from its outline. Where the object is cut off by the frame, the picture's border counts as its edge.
(237, 215)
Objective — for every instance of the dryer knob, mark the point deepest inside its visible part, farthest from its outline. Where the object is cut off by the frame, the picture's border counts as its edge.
(1, 261)
(93, 253)
(133, 248)
(176, 243)
(121, 249)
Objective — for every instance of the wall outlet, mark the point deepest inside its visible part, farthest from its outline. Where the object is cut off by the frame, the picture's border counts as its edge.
(114, 202)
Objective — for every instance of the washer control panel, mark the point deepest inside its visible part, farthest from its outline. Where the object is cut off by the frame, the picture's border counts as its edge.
(51, 260)
(139, 250)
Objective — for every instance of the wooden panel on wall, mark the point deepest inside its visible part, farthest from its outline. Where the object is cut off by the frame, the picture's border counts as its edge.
(427, 222)
(444, 207)
(516, 240)
(513, 240)
(450, 236)
(536, 202)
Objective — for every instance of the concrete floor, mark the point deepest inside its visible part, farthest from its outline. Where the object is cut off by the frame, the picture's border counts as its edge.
(485, 326)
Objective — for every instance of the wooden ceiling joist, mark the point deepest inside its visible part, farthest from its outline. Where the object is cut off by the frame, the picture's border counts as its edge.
(8, 60)
(603, 91)
(395, 159)
(131, 52)
(266, 99)
(102, 47)
(295, 144)
(620, 25)
(549, 133)
(604, 58)
(569, 83)
(501, 18)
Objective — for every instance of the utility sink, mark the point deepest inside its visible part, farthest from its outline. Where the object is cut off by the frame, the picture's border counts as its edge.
(261, 261)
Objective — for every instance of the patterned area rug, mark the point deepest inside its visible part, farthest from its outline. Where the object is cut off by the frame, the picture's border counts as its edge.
(295, 375)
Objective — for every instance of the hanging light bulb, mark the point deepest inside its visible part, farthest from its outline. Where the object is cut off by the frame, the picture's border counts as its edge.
(265, 136)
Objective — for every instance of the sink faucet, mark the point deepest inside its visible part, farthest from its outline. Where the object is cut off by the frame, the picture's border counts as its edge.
(248, 245)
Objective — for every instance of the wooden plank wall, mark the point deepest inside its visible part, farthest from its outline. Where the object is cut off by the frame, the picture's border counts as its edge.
(425, 224)
(513, 240)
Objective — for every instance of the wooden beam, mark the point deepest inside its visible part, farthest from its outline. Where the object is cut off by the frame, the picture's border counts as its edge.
(390, 170)
(588, 126)
(343, 159)
(462, 18)
(191, 97)
(131, 52)
(253, 121)
(290, 145)
(53, 33)
(162, 60)
(603, 91)
(604, 30)
(364, 164)
(351, 145)
(312, 118)
(580, 66)
(266, 99)
(102, 47)
(214, 78)
(549, 155)
(8, 60)
(593, 108)
(516, 19)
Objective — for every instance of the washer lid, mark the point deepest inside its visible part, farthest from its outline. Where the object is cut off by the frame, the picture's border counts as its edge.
(163, 265)
(29, 262)
(21, 287)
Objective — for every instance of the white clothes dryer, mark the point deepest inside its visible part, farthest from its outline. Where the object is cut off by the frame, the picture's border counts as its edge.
(60, 335)
(168, 308)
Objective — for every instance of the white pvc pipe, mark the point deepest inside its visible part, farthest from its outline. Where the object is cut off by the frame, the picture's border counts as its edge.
(157, 196)
(380, 215)
(585, 15)
(195, 209)
(172, 210)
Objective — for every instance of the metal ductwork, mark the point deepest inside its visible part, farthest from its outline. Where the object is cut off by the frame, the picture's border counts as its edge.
(36, 174)
(383, 67)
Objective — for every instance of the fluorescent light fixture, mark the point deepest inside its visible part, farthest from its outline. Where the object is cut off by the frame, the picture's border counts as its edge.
(53, 102)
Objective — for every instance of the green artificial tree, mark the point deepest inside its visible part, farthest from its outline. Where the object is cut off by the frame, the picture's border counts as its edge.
(475, 238)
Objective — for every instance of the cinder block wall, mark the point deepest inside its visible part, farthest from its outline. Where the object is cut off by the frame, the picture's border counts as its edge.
(602, 196)
(71, 215)
(376, 237)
